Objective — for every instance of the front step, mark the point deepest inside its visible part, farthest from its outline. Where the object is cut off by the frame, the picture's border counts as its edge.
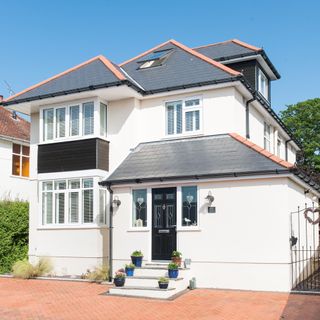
(144, 283)
(147, 281)
(146, 292)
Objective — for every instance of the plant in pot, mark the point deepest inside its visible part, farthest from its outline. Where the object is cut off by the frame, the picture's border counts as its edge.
(163, 283)
(136, 258)
(130, 269)
(176, 257)
(173, 270)
(119, 278)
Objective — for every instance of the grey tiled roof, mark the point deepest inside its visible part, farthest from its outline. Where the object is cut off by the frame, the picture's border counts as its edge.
(180, 69)
(91, 74)
(192, 157)
(224, 49)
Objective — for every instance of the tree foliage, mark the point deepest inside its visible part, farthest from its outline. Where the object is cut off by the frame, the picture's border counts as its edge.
(14, 226)
(303, 119)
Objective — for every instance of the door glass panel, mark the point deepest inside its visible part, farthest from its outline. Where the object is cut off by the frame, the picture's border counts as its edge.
(158, 197)
(170, 196)
(158, 216)
(170, 214)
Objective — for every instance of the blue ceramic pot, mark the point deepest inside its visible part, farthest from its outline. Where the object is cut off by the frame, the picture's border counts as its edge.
(129, 271)
(119, 282)
(173, 273)
(137, 261)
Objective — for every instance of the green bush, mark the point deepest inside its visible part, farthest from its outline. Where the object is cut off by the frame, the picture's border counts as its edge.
(14, 228)
(99, 273)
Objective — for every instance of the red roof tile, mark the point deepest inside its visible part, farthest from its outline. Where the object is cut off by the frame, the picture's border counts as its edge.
(262, 151)
(13, 128)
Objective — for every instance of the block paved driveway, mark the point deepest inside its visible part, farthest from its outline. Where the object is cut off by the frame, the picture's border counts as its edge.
(43, 300)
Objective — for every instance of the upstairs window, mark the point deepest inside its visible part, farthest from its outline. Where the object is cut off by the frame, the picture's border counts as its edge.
(103, 119)
(20, 160)
(183, 116)
(267, 137)
(71, 121)
(263, 84)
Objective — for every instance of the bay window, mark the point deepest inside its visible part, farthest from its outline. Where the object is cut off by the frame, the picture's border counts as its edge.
(73, 121)
(189, 206)
(139, 208)
(183, 116)
(71, 202)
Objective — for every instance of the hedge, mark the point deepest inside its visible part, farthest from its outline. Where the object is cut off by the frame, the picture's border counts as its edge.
(14, 229)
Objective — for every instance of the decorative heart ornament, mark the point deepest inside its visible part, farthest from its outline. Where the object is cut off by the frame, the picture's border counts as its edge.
(312, 210)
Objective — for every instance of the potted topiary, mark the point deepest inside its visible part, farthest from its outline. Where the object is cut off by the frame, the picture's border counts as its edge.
(136, 258)
(176, 257)
(173, 270)
(130, 269)
(119, 278)
(163, 283)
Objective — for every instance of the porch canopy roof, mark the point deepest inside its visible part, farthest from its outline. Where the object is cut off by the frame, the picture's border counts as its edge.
(227, 155)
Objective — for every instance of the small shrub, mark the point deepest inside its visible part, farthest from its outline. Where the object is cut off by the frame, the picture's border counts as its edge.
(163, 280)
(120, 274)
(176, 254)
(99, 273)
(173, 266)
(130, 266)
(42, 267)
(23, 269)
(137, 253)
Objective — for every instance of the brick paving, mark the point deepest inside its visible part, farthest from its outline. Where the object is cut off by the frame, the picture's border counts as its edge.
(48, 300)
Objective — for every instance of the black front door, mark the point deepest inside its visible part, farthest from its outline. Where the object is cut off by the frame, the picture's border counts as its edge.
(164, 221)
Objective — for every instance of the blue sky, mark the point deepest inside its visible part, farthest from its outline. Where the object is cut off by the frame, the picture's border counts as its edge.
(42, 38)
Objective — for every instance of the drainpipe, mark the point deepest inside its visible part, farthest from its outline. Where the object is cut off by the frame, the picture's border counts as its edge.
(248, 116)
(286, 147)
(110, 231)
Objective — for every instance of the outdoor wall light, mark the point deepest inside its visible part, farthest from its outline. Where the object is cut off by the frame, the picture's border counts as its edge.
(209, 198)
(116, 202)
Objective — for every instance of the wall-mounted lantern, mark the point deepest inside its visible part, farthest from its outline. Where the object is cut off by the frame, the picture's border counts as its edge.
(210, 199)
(116, 202)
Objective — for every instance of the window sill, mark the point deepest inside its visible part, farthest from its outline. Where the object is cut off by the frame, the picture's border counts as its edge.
(183, 135)
(19, 177)
(73, 227)
(74, 138)
(145, 229)
(183, 229)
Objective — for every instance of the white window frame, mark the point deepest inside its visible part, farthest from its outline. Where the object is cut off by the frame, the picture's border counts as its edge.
(68, 136)
(80, 224)
(265, 138)
(263, 79)
(20, 160)
(149, 209)
(180, 227)
(185, 109)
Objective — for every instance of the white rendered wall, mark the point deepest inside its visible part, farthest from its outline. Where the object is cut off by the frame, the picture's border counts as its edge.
(244, 245)
(11, 187)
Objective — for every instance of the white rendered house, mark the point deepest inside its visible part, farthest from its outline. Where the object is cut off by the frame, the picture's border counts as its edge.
(175, 149)
(14, 156)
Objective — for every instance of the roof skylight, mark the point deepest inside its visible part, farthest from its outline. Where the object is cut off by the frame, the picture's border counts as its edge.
(154, 59)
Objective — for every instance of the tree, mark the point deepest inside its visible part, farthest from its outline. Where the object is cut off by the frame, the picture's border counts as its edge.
(303, 119)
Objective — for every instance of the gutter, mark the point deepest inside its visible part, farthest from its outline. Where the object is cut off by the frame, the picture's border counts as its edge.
(108, 183)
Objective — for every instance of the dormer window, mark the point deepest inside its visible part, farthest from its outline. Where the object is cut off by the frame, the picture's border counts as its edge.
(263, 84)
(154, 59)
